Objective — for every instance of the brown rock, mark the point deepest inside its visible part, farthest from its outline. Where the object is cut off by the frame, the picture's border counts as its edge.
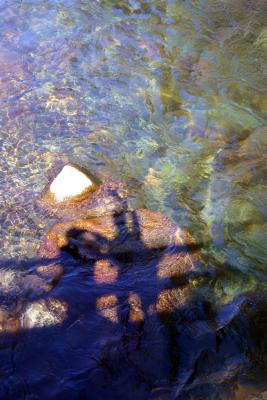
(8, 323)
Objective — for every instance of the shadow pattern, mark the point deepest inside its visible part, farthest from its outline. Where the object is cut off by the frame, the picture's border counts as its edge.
(122, 306)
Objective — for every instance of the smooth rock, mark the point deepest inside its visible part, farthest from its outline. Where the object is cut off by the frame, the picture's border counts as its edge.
(70, 183)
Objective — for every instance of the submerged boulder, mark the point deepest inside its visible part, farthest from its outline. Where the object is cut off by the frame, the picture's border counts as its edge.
(138, 232)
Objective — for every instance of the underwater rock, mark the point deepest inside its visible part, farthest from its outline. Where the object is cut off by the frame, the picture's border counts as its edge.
(8, 322)
(23, 283)
(72, 183)
(114, 241)
(131, 232)
(107, 198)
(34, 284)
(51, 272)
(105, 271)
(45, 312)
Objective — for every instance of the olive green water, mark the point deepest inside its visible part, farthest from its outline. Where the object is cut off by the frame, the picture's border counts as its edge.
(168, 95)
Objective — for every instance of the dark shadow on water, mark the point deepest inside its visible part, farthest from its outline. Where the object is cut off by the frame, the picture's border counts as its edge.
(124, 321)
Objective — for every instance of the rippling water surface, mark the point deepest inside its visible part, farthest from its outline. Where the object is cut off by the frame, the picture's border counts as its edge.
(169, 96)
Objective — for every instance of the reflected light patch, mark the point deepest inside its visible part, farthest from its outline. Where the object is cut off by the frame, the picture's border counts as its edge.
(105, 272)
(175, 266)
(61, 103)
(107, 306)
(44, 313)
(179, 235)
(135, 305)
(8, 280)
(170, 300)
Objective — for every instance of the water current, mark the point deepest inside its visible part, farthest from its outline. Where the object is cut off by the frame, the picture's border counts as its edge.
(169, 96)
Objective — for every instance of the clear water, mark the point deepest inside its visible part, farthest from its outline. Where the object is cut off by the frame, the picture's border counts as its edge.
(169, 96)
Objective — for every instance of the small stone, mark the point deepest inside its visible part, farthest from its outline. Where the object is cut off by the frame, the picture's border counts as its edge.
(71, 182)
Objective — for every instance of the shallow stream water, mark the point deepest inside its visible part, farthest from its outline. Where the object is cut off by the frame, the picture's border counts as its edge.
(169, 96)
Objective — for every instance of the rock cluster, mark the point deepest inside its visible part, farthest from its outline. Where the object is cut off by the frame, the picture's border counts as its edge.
(114, 293)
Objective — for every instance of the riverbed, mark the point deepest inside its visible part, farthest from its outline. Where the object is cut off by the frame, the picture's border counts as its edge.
(168, 96)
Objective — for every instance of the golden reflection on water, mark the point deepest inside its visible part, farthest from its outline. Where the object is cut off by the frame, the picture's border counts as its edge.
(61, 103)
(107, 305)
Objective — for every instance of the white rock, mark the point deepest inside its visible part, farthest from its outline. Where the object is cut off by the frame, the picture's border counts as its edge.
(70, 182)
